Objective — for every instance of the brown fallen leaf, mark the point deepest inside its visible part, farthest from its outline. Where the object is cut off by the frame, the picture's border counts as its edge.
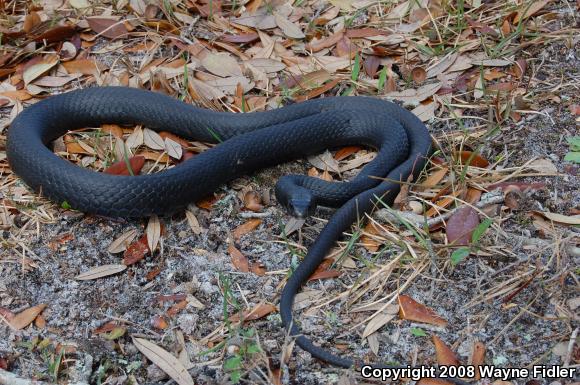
(113, 129)
(121, 242)
(26, 317)
(136, 251)
(40, 322)
(111, 28)
(323, 271)
(478, 357)
(414, 311)
(528, 9)
(443, 202)
(472, 159)
(175, 309)
(56, 34)
(100, 271)
(345, 152)
(30, 21)
(81, 66)
(258, 269)
(37, 67)
(445, 356)
(246, 227)
(253, 201)
(240, 38)
(259, 311)
(153, 232)
(164, 360)
(573, 220)
(371, 65)
(367, 241)
(158, 322)
(434, 178)
(327, 42)
(7, 314)
(106, 327)
(461, 225)
(120, 167)
(239, 260)
(207, 203)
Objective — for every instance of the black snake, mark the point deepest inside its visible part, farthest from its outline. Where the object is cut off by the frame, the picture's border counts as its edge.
(248, 142)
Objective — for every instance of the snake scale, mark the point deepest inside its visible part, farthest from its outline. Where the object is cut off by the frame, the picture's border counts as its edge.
(247, 142)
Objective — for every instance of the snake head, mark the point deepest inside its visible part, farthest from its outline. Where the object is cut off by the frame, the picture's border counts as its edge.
(298, 200)
(301, 203)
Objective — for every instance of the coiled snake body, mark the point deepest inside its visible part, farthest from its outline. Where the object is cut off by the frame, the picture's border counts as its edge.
(249, 142)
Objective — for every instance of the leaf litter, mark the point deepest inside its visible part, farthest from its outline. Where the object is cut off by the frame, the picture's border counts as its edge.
(495, 83)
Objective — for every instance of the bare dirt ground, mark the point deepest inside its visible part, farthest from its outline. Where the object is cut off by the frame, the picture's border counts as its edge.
(507, 297)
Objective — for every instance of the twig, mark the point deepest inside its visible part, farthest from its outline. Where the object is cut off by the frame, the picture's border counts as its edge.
(570, 347)
(491, 198)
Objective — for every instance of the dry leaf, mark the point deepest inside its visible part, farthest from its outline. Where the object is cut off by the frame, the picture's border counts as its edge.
(415, 96)
(474, 159)
(246, 227)
(135, 139)
(193, 222)
(425, 112)
(120, 244)
(81, 66)
(253, 202)
(100, 271)
(25, 317)
(573, 220)
(136, 251)
(79, 4)
(153, 232)
(325, 162)
(108, 27)
(543, 165)
(173, 149)
(121, 168)
(445, 355)
(290, 29)
(381, 319)
(37, 68)
(528, 9)
(434, 178)
(461, 225)
(345, 152)
(158, 322)
(414, 311)
(164, 360)
(478, 357)
(259, 311)
(153, 140)
(239, 260)
(266, 65)
(221, 64)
